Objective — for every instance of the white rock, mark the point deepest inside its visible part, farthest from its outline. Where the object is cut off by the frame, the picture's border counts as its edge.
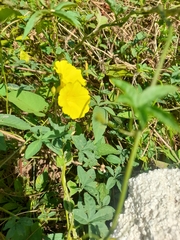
(152, 209)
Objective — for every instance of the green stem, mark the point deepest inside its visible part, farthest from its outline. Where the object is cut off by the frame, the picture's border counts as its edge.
(125, 182)
(163, 56)
(6, 211)
(3, 77)
(67, 198)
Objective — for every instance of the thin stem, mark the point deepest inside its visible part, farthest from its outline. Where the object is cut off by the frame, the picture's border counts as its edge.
(163, 57)
(125, 182)
(6, 211)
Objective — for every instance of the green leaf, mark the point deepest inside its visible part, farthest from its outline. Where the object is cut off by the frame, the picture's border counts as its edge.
(13, 121)
(110, 183)
(109, 110)
(33, 148)
(125, 99)
(126, 114)
(113, 159)
(2, 89)
(91, 189)
(125, 86)
(100, 19)
(36, 232)
(40, 130)
(106, 149)
(64, 5)
(102, 229)
(165, 118)
(28, 102)
(26, 221)
(106, 200)
(6, 13)
(130, 94)
(103, 192)
(153, 93)
(33, 20)
(116, 7)
(86, 177)
(79, 141)
(68, 16)
(90, 205)
(72, 186)
(11, 206)
(2, 142)
(104, 214)
(99, 122)
(41, 181)
(10, 223)
(54, 236)
(80, 216)
(143, 116)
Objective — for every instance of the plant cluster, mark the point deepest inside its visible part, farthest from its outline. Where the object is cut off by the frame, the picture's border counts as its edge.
(89, 96)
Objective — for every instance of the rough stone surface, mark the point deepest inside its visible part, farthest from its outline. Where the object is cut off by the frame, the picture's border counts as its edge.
(152, 209)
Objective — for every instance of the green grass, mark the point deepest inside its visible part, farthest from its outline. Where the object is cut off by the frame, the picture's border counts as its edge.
(62, 178)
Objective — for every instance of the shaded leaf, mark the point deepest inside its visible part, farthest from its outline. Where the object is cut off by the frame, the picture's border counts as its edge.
(2, 142)
(41, 181)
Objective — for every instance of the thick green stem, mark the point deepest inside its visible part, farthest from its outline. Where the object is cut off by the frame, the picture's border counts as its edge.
(125, 182)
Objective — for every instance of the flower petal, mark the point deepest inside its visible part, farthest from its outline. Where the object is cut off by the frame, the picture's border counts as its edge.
(68, 73)
(74, 100)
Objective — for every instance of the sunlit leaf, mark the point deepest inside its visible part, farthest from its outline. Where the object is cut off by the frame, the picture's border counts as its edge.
(104, 214)
(7, 12)
(64, 5)
(24, 56)
(33, 20)
(68, 16)
(80, 216)
(153, 93)
(165, 118)
(99, 122)
(33, 148)
(28, 102)
(106, 149)
(13, 121)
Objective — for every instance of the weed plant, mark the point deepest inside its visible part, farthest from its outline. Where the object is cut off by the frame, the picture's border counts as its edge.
(89, 97)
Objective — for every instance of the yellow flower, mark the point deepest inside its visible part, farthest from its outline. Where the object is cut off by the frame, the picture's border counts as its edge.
(74, 100)
(68, 73)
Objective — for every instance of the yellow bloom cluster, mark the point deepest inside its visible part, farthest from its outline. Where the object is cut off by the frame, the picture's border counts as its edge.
(73, 97)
